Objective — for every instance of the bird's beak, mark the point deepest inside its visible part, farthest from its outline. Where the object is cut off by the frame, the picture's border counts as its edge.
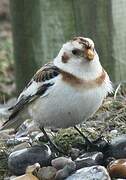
(89, 54)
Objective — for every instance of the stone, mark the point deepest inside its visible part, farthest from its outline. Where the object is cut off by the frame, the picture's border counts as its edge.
(90, 173)
(15, 141)
(68, 169)
(47, 173)
(19, 160)
(28, 175)
(113, 133)
(21, 146)
(60, 162)
(40, 137)
(117, 168)
(117, 147)
(89, 159)
(28, 127)
(4, 136)
(74, 153)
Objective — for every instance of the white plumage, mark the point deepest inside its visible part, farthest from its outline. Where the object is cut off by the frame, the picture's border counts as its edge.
(68, 91)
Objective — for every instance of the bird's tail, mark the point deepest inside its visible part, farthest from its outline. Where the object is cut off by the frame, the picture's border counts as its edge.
(9, 122)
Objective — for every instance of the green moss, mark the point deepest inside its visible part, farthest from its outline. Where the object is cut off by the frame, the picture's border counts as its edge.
(66, 138)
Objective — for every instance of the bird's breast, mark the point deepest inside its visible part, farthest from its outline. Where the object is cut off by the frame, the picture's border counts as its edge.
(66, 106)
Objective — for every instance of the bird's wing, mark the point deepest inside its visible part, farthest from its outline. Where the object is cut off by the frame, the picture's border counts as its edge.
(38, 86)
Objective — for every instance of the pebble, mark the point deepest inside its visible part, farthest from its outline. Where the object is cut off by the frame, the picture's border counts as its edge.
(28, 175)
(16, 141)
(4, 136)
(117, 147)
(41, 138)
(74, 153)
(90, 173)
(117, 168)
(60, 162)
(89, 159)
(27, 128)
(68, 169)
(46, 173)
(113, 133)
(19, 160)
(21, 146)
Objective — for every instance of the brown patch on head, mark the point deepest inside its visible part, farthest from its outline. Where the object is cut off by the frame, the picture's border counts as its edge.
(65, 57)
(82, 41)
(81, 83)
(75, 38)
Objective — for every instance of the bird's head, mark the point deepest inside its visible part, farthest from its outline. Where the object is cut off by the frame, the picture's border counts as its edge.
(78, 56)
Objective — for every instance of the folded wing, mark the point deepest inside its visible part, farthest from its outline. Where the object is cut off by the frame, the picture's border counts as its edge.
(38, 86)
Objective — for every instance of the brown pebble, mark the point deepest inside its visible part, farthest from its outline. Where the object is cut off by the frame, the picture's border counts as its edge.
(26, 177)
(29, 175)
(117, 168)
(47, 173)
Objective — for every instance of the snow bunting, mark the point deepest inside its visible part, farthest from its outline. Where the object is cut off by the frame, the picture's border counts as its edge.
(64, 92)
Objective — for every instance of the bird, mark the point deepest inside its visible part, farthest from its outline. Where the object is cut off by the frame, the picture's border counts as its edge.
(65, 92)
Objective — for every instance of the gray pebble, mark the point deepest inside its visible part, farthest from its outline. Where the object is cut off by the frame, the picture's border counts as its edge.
(89, 159)
(66, 171)
(60, 162)
(90, 173)
(19, 160)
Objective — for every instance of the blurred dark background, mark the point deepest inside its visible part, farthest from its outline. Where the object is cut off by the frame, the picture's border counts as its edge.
(35, 31)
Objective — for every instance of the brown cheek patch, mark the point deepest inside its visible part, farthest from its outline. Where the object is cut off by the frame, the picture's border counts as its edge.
(65, 57)
(99, 80)
(80, 83)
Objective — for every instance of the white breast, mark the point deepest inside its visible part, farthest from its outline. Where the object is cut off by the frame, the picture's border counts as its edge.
(66, 106)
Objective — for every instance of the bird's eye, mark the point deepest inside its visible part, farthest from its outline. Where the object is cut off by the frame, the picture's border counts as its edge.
(76, 52)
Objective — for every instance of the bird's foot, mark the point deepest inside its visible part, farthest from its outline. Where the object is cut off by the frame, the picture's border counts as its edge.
(98, 145)
(52, 143)
(101, 144)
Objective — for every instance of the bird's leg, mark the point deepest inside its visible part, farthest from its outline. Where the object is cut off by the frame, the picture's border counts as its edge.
(98, 144)
(87, 141)
(51, 142)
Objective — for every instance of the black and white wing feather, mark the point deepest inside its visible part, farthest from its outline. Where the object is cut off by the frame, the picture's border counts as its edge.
(38, 86)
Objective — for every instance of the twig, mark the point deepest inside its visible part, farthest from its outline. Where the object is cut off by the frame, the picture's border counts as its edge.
(116, 91)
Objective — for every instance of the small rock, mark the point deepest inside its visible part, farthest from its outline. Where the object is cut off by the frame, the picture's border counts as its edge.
(16, 141)
(117, 168)
(89, 159)
(19, 160)
(27, 128)
(108, 160)
(68, 169)
(28, 175)
(21, 146)
(10, 178)
(4, 136)
(41, 137)
(60, 162)
(117, 148)
(74, 153)
(47, 173)
(113, 132)
(90, 173)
